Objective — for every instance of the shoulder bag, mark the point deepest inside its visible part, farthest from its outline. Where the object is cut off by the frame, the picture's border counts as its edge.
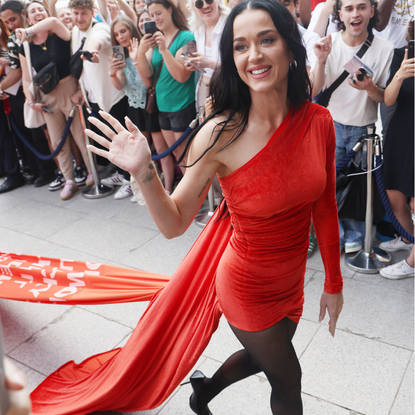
(48, 78)
(324, 97)
(151, 103)
(32, 118)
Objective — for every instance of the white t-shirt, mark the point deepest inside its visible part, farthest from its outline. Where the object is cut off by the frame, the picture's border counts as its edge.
(348, 105)
(331, 28)
(309, 40)
(397, 29)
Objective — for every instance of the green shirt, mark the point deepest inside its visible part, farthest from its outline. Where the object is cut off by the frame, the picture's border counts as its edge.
(171, 95)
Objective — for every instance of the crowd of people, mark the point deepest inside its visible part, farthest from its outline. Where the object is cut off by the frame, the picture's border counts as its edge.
(254, 74)
(176, 61)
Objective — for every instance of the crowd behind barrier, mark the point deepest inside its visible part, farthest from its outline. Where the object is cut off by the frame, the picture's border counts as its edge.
(117, 57)
(153, 61)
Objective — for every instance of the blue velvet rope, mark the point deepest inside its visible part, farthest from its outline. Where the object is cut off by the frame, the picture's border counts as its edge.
(32, 149)
(174, 146)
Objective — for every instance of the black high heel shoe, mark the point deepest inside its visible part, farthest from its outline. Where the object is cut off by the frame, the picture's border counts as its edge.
(196, 380)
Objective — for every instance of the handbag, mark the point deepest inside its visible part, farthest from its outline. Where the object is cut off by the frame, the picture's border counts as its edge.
(76, 63)
(32, 118)
(151, 102)
(47, 78)
(324, 97)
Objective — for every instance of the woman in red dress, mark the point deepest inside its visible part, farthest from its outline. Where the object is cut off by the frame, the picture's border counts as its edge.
(273, 151)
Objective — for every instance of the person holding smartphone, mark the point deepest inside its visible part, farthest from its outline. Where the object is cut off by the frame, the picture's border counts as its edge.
(207, 22)
(398, 160)
(47, 36)
(124, 76)
(175, 87)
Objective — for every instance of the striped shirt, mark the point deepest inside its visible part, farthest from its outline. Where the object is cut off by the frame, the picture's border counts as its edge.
(13, 49)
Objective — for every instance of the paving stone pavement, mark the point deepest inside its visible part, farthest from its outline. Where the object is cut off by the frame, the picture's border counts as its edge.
(367, 369)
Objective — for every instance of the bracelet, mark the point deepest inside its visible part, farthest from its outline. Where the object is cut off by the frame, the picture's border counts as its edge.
(135, 63)
(372, 95)
(112, 75)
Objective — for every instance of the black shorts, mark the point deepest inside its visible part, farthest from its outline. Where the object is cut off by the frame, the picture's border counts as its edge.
(143, 120)
(177, 121)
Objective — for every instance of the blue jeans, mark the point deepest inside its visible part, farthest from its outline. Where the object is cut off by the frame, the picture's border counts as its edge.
(346, 137)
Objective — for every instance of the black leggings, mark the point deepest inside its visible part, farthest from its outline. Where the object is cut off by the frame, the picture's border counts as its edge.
(269, 351)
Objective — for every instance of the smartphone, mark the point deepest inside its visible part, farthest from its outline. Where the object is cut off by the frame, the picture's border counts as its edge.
(47, 110)
(118, 52)
(150, 27)
(411, 49)
(4, 394)
(88, 55)
(185, 59)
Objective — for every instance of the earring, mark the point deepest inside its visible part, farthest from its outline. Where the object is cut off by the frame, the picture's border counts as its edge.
(293, 65)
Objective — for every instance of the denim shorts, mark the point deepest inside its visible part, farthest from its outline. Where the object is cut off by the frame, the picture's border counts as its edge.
(177, 121)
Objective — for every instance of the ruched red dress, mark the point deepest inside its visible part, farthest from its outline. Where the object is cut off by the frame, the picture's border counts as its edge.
(252, 271)
(260, 277)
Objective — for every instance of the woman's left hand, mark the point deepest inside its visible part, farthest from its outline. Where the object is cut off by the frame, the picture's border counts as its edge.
(160, 41)
(21, 35)
(334, 304)
(201, 60)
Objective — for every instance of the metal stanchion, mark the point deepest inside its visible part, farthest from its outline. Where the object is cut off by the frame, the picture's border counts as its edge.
(203, 216)
(97, 190)
(369, 260)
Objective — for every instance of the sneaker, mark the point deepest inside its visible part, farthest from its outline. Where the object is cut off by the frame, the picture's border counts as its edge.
(69, 190)
(124, 191)
(312, 243)
(90, 180)
(80, 176)
(133, 199)
(395, 245)
(108, 171)
(398, 271)
(57, 183)
(350, 247)
(114, 180)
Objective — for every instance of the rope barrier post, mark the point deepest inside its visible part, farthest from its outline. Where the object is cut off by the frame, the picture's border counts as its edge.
(203, 216)
(97, 190)
(369, 260)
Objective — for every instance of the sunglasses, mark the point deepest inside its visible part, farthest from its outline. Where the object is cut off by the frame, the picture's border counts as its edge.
(199, 3)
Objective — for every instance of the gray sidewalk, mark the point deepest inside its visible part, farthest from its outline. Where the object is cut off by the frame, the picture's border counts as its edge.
(368, 368)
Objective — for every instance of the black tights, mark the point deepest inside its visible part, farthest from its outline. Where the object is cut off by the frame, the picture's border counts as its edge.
(269, 351)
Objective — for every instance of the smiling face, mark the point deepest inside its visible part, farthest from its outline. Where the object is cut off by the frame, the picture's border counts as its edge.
(209, 12)
(356, 14)
(82, 18)
(260, 53)
(122, 34)
(13, 20)
(144, 17)
(160, 15)
(139, 4)
(36, 13)
(65, 16)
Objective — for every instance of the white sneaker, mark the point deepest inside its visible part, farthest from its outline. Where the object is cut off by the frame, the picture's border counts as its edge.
(115, 180)
(395, 245)
(133, 199)
(398, 271)
(124, 191)
(350, 247)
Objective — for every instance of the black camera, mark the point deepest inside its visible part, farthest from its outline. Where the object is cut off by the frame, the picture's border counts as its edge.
(360, 76)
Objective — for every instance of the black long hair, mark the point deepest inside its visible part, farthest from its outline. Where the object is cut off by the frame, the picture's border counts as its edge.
(228, 90)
